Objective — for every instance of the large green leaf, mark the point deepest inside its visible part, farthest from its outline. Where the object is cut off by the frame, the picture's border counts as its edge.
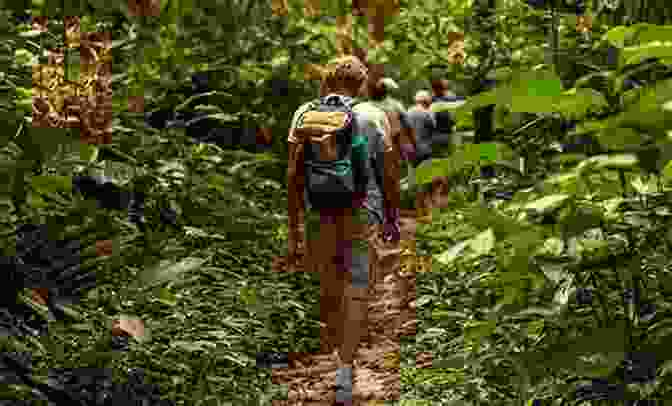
(602, 340)
(592, 250)
(618, 36)
(88, 152)
(52, 183)
(667, 173)
(576, 103)
(466, 156)
(456, 361)
(578, 221)
(620, 139)
(535, 92)
(477, 330)
(565, 180)
(164, 273)
(224, 118)
(564, 291)
(653, 97)
(452, 253)
(479, 100)
(208, 109)
(491, 152)
(165, 296)
(193, 346)
(601, 364)
(588, 127)
(548, 204)
(651, 33)
(637, 54)
(614, 161)
(502, 225)
(552, 247)
(483, 243)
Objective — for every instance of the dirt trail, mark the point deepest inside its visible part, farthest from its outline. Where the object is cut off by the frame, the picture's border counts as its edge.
(310, 377)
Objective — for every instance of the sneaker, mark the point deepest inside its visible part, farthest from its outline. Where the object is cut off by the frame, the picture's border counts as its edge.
(344, 386)
(272, 360)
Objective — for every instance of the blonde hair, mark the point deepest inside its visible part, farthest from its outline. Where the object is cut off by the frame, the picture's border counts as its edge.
(347, 72)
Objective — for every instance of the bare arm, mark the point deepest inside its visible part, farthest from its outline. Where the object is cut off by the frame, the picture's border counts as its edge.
(408, 134)
(295, 187)
(391, 165)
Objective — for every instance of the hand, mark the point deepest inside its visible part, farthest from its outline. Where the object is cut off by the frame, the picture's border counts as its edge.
(295, 248)
(407, 152)
(391, 227)
(358, 200)
(392, 231)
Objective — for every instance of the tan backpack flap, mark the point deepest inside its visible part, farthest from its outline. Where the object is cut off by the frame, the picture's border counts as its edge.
(326, 120)
(319, 128)
(324, 138)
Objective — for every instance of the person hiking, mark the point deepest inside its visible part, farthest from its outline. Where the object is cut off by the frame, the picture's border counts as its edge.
(434, 128)
(423, 100)
(443, 98)
(335, 142)
(405, 141)
(382, 93)
(379, 95)
(423, 122)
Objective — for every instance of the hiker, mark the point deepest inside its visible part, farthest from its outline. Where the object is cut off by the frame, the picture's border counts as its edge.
(382, 93)
(442, 97)
(337, 140)
(379, 95)
(423, 100)
(423, 122)
(433, 133)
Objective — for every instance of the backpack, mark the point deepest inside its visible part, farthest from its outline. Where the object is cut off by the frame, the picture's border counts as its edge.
(445, 120)
(335, 157)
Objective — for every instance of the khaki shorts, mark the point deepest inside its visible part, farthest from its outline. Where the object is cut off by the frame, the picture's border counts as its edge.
(345, 248)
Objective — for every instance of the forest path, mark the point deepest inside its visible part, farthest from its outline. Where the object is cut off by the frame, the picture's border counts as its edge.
(310, 377)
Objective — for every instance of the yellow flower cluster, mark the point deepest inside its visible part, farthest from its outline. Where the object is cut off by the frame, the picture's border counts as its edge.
(456, 54)
(85, 104)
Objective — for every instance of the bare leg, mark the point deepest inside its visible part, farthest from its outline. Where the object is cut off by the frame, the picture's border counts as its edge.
(355, 306)
(331, 303)
(331, 286)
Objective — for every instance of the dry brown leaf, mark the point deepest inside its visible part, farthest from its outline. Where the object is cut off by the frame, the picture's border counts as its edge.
(584, 23)
(40, 295)
(264, 136)
(311, 8)
(104, 248)
(280, 7)
(133, 327)
(344, 35)
(313, 72)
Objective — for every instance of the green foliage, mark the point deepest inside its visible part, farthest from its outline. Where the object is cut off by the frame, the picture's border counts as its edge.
(498, 312)
(518, 263)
